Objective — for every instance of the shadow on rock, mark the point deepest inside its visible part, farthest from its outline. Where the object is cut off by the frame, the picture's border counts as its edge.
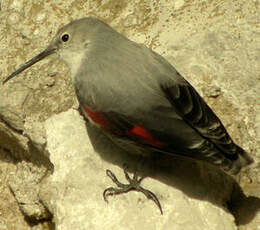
(196, 179)
(242, 207)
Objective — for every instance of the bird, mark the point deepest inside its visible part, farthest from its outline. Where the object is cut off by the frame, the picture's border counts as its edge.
(136, 97)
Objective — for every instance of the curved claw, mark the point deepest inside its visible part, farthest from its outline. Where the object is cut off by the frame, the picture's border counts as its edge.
(110, 190)
(113, 178)
(151, 196)
(134, 184)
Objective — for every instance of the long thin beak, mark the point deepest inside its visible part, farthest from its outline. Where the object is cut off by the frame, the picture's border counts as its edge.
(40, 56)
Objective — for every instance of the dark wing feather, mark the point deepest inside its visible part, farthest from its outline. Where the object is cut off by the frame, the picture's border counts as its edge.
(194, 111)
(158, 132)
(196, 132)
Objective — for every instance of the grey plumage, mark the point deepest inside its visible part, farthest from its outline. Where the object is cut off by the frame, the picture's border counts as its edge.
(122, 85)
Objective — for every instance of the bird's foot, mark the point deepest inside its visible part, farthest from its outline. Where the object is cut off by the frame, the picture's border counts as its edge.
(134, 184)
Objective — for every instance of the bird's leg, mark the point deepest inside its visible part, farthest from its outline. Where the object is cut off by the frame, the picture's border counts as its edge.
(134, 184)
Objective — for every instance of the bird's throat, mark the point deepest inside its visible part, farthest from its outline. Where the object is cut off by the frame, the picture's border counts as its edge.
(74, 61)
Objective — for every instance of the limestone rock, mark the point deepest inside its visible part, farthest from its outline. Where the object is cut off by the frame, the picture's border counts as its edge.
(214, 44)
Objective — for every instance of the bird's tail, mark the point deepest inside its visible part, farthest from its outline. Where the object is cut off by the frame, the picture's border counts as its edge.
(242, 161)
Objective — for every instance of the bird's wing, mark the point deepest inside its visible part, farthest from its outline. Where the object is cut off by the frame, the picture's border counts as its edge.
(199, 116)
(158, 133)
(195, 133)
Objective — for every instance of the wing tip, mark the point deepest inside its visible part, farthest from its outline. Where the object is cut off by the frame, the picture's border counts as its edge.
(243, 160)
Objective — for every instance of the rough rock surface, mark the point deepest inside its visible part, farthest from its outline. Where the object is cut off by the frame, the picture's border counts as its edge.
(10, 216)
(214, 44)
(79, 180)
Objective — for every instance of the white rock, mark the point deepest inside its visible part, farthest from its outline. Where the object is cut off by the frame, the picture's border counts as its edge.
(79, 180)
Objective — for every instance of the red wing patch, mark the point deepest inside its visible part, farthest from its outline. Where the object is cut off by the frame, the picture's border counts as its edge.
(135, 132)
(144, 135)
(97, 117)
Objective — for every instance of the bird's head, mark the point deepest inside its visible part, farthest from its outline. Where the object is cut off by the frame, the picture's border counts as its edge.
(72, 43)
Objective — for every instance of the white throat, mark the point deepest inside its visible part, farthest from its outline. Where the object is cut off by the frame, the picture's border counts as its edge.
(73, 60)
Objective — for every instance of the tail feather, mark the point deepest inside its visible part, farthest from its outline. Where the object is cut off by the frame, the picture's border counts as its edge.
(242, 161)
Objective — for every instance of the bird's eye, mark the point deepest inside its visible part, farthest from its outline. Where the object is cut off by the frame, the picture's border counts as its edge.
(65, 37)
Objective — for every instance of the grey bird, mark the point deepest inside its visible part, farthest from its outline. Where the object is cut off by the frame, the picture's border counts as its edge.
(140, 100)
